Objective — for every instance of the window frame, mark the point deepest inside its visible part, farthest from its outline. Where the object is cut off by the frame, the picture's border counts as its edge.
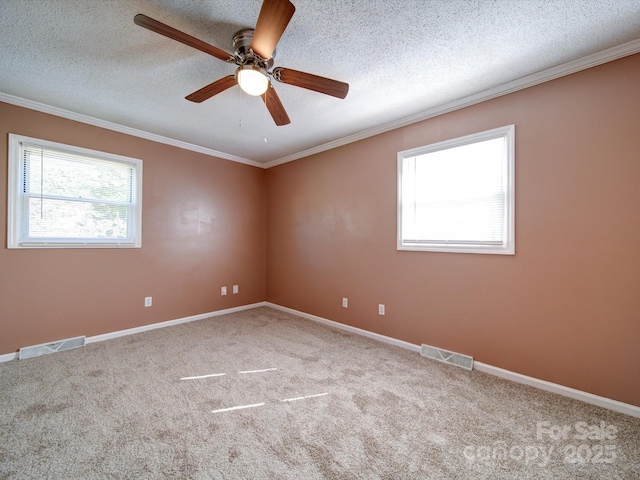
(15, 239)
(507, 247)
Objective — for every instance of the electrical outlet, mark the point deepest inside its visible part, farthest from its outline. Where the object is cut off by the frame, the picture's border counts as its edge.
(381, 309)
(235, 289)
(345, 302)
(148, 301)
(223, 291)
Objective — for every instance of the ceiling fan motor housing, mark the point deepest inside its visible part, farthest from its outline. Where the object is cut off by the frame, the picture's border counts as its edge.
(243, 53)
(254, 54)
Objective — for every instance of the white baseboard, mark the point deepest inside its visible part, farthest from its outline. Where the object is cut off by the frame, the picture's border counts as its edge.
(586, 397)
(348, 328)
(7, 357)
(144, 328)
(559, 389)
(170, 323)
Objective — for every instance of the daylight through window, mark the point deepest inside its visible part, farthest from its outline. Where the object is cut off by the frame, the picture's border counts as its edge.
(458, 195)
(64, 196)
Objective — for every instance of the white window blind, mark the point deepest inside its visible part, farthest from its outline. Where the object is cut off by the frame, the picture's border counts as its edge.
(458, 195)
(66, 196)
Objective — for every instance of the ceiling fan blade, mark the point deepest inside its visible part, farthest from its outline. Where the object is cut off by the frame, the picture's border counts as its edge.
(167, 31)
(275, 107)
(311, 82)
(212, 89)
(272, 21)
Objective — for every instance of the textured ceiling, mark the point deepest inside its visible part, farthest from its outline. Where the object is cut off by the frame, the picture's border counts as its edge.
(400, 57)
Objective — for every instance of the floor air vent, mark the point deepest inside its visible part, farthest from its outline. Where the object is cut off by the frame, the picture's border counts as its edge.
(446, 356)
(37, 350)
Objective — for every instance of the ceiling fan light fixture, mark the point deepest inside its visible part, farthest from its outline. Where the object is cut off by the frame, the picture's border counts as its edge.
(254, 51)
(252, 80)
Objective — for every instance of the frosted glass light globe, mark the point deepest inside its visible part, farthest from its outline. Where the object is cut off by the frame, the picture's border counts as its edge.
(252, 80)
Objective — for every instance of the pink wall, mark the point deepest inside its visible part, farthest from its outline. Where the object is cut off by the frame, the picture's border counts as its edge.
(565, 308)
(50, 294)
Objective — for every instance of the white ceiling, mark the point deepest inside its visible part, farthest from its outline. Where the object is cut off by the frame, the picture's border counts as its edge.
(400, 58)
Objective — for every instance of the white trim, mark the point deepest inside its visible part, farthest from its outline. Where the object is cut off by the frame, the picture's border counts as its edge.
(96, 122)
(13, 173)
(593, 60)
(586, 397)
(7, 357)
(348, 328)
(507, 245)
(574, 66)
(170, 323)
(18, 239)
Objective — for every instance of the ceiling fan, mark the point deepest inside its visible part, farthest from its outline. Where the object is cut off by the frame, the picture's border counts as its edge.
(254, 51)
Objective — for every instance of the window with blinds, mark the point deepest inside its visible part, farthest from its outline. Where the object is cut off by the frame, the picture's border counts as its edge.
(65, 196)
(458, 195)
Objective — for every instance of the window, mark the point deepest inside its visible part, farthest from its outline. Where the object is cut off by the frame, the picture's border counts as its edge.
(458, 195)
(64, 196)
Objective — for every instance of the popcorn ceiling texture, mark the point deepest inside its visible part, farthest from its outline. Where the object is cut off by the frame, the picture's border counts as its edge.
(399, 57)
(120, 409)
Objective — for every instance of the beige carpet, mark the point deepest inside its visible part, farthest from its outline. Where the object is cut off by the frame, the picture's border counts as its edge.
(317, 403)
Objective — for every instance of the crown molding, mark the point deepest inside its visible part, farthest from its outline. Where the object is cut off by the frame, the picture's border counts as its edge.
(96, 122)
(574, 66)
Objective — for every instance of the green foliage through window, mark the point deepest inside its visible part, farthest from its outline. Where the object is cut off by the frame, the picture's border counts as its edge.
(66, 197)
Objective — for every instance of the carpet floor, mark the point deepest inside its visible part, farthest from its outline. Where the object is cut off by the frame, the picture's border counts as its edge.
(263, 394)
